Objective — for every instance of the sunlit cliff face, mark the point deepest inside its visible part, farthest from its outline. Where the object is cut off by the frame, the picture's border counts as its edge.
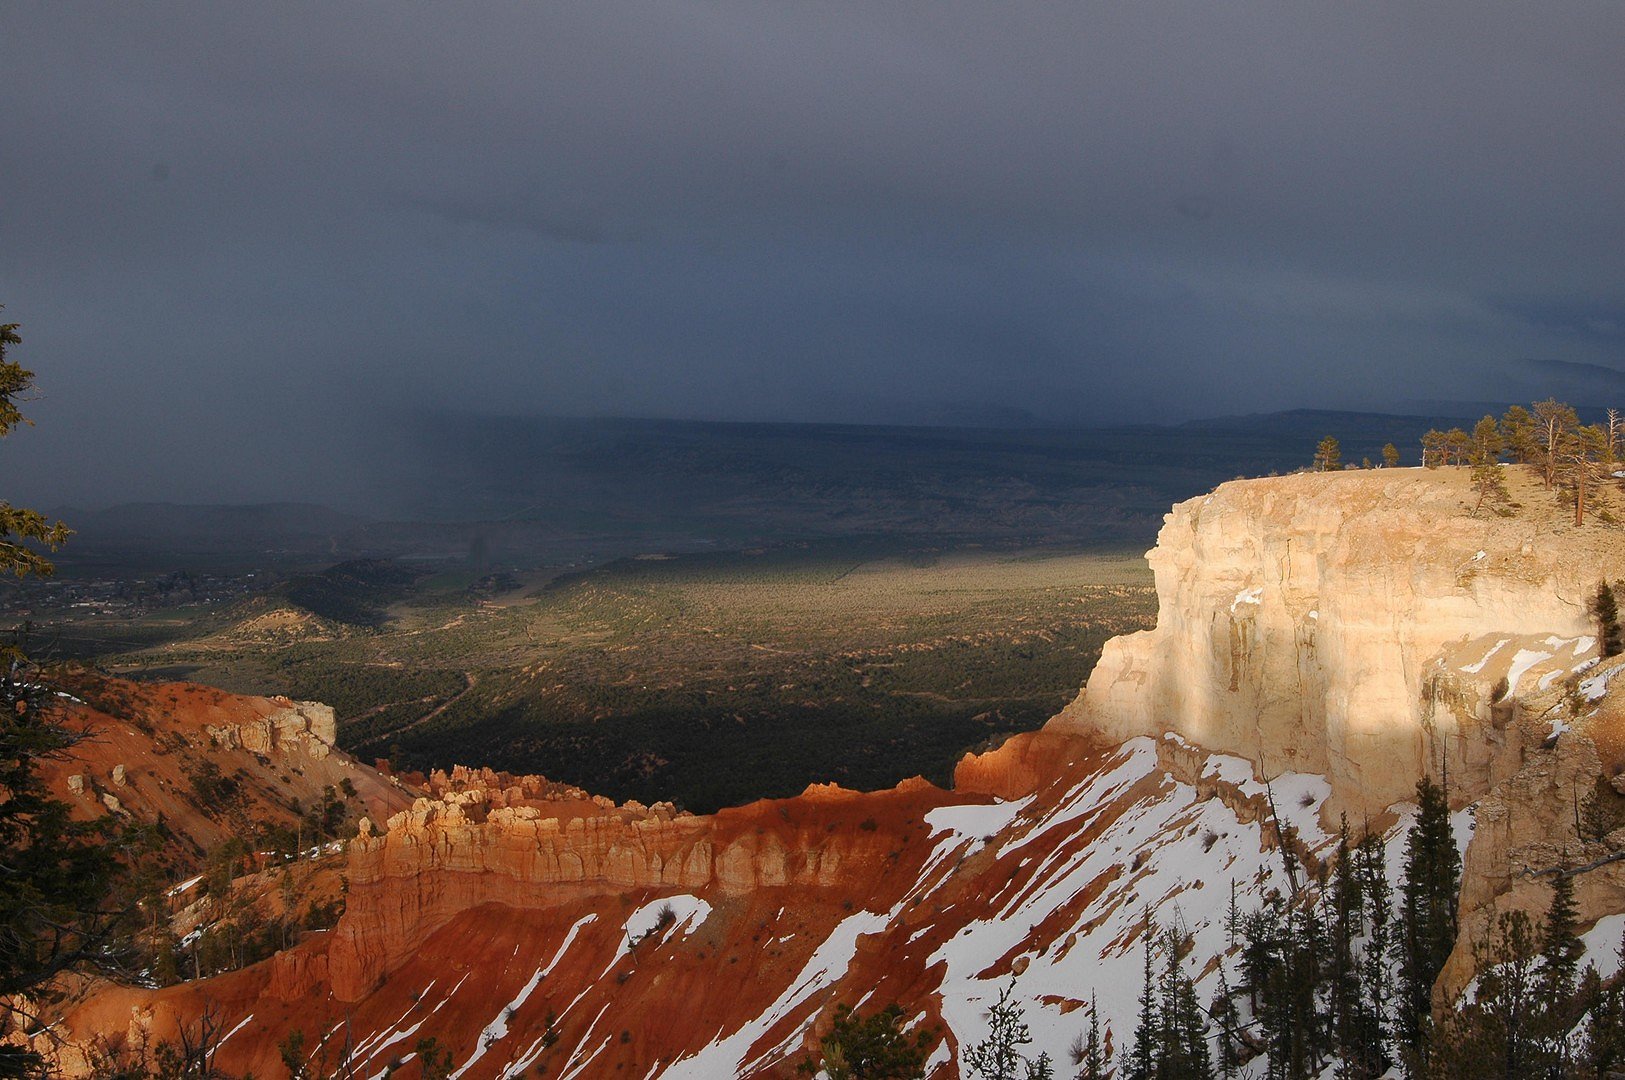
(1333, 624)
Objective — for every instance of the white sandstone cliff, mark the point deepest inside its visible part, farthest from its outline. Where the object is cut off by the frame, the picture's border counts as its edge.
(1355, 625)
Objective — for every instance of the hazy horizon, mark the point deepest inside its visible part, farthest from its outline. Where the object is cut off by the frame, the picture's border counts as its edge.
(435, 457)
(244, 241)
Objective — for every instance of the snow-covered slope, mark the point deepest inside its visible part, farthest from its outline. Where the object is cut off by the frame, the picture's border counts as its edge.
(942, 899)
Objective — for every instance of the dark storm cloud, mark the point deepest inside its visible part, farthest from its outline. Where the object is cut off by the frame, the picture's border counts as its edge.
(242, 238)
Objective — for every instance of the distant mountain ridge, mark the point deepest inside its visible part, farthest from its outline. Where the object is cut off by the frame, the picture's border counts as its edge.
(541, 488)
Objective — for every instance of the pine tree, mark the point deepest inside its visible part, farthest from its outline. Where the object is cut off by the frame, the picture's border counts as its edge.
(1350, 1033)
(1560, 946)
(1302, 977)
(1518, 434)
(20, 527)
(1232, 920)
(1189, 1047)
(1603, 1049)
(1429, 892)
(1228, 1019)
(873, 1047)
(1390, 456)
(1181, 1051)
(1605, 609)
(1556, 1010)
(1581, 455)
(434, 1058)
(1259, 949)
(998, 1056)
(55, 873)
(1458, 446)
(1140, 1060)
(1433, 448)
(1328, 455)
(1552, 423)
(1376, 980)
(1487, 442)
(1091, 1059)
(1492, 1035)
(1283, 960)
(1488, 476)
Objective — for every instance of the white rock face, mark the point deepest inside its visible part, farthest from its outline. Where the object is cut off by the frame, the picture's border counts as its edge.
(1313, 623)
(303, 727)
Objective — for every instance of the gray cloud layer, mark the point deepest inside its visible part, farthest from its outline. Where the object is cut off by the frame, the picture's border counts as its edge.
(243, 237)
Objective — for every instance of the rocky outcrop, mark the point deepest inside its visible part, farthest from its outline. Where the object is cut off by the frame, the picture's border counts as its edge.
(1561, 814)
(149, 744)
(306, 728)
(530, 843)
(1314, 623)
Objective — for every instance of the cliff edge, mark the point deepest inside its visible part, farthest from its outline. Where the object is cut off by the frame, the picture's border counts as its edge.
(1366, 625)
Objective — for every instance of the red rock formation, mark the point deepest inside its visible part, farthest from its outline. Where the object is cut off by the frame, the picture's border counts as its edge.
(447, 855)
(145, 741)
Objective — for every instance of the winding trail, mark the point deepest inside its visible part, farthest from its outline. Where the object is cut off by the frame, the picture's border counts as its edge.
(471, 680)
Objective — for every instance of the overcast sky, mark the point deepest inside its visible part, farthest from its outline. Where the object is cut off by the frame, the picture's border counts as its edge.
(243, 237)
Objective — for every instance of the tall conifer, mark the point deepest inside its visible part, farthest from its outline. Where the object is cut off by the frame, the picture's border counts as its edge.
(1605, 608)
(1429, 892)
(1603, 1051)
(1225, 1015)
(1092, 1061)
(1182, 1052)
(1141, 1061)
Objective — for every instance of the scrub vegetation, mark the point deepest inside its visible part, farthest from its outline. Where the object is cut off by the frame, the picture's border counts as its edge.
(707, 679)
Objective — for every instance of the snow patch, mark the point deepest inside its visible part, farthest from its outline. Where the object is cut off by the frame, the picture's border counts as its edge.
(1298, 798)
(497, 1029)
(1253, 596)
(725, 1056)
(690, 911)
(240, 1025)
(1462, 824)
(1602, 944)
(1474, 669)
(1596, 687)
(183, 886)
(1521, 663)
(975, 820)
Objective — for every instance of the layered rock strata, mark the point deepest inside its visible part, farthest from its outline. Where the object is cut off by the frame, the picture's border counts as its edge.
(472, 845)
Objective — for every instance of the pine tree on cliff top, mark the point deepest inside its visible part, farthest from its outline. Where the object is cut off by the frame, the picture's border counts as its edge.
(1518, 434)
(1328, 455)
